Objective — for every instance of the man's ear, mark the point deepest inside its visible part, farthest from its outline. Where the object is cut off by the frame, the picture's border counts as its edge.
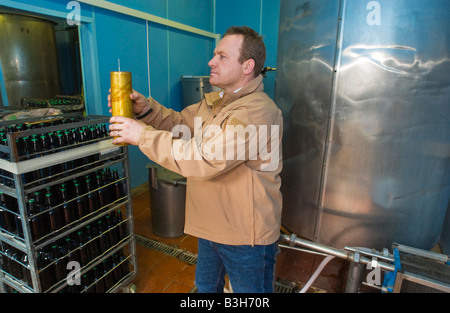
(248, 66)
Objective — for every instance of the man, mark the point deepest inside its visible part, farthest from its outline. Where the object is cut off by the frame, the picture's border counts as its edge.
(228, 146)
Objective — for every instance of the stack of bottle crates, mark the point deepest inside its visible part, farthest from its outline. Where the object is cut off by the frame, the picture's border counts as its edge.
(65, 208)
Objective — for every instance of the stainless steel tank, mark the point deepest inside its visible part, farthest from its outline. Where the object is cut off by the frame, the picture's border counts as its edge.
(28, 57)
(364, 87)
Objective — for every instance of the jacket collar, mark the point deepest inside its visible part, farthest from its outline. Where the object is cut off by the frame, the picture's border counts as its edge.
(214, 98)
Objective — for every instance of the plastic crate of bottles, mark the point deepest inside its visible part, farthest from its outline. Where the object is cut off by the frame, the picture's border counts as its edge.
(65, 103)
(34, 137)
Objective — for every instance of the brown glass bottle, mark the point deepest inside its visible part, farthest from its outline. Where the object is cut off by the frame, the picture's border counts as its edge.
(118, 187)
(17, 268)
(107, 275)
(121, 227)
(103, 238)
(85, 255)
(101, 195)
(120, 257)
(69, 212)
(60, 271)
(3, 217)
(19, 226)
(61, 140)
(36, 221)
(99, 282)
(117, 268)
(94, 250)
(54, 213)
(13, 268)
(86, 282)
(92, 196)
(110, 223)
(26, 271)
(8, 220)
(45, 275)
(80, 202)
(5, 260)
(73, 254)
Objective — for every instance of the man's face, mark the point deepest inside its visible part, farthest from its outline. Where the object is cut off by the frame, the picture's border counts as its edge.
(226, 71)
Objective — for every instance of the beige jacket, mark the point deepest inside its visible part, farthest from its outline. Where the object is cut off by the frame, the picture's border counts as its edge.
(233, 182)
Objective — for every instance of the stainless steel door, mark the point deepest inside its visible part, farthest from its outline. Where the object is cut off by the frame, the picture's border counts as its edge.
(364, 87)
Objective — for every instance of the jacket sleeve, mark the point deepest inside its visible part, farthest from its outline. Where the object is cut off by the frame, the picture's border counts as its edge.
(211, 150)
(185, 156)
(165, 119)
(169, 141)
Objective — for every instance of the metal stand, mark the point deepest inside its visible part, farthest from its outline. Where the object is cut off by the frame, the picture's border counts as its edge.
(421, 271)
(405, 264)
(117, 258)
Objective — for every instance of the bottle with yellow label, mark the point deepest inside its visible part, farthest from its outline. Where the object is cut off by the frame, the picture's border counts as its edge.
(121, 88)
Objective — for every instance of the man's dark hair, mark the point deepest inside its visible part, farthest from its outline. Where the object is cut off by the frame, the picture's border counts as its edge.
(252, 46)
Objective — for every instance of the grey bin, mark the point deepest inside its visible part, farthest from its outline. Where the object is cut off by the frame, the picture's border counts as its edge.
(194, 87)
(167, 201)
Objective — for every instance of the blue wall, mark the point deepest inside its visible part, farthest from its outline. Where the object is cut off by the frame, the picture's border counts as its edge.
(262, 16)
(107, 36)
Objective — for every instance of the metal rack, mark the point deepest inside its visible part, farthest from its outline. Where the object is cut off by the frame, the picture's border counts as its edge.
(415, 269)
(418, 270)
(69, 257)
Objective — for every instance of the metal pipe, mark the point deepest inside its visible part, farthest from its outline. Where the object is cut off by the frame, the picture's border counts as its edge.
(423, 253)
(333, 251)
(301, 249)
(370, 253)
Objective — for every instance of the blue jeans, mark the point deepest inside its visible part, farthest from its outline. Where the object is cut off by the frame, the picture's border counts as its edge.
(250, 269)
